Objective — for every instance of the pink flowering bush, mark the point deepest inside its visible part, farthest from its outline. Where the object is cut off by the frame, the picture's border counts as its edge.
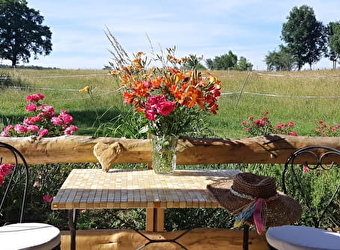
(263, 126)
(43, 121)
(325, 130)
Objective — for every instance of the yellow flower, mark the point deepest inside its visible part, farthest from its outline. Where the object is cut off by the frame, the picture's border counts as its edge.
(85, 90)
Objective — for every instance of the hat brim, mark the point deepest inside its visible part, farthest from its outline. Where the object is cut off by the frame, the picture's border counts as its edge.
(282, 210)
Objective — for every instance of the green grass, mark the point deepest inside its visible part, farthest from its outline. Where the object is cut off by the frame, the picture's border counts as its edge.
(61, 88)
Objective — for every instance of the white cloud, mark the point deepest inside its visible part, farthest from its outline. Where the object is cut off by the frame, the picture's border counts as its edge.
(248, 28)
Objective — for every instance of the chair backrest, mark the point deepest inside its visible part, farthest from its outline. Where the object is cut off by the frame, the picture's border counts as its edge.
(312, 176)
(14, 183)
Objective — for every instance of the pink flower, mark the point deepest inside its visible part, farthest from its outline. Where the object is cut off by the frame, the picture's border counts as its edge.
(154, 100)
(46, 111)
(57, 121)
(8, 128)
(70, 130)
(292, 133)
(6, 131)
(37, 184)
(279, 126)
(35, 98)
(32, 128)
(21, 129)
(243, 123)
(4, 134)
(31, 107)
(305, 169)
(150, 115)
(47, 198)
(291, 124)
(250, 117)
(5, 169)
(332, 128)
(2, 179)
(259, 123)
(66, 118)
(43, 132)
(165, 108)
(33, 120)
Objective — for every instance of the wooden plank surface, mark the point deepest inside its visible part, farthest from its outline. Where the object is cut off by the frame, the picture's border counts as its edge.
(196, 239)
(121, 188)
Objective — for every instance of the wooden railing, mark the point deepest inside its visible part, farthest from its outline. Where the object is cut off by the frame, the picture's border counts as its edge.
(191, 151)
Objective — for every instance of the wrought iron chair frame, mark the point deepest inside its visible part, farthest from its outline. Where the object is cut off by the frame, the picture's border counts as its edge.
(20, 164)
(319, 154)
(24, 166)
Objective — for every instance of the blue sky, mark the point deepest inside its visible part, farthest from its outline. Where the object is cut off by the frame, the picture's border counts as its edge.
(249, 28)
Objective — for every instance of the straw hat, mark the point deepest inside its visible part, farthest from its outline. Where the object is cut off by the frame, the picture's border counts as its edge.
(254, 199)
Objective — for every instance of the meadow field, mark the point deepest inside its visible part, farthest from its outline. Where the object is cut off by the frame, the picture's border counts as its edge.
(302, 97)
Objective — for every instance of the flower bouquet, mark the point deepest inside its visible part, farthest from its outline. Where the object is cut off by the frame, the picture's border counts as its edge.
(169, 99)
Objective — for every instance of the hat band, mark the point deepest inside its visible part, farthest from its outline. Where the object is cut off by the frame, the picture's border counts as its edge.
(254, 209)
(249, 197)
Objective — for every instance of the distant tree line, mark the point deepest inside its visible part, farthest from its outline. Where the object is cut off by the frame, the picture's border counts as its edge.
(224, 62)
(306, 40)
(229, 62)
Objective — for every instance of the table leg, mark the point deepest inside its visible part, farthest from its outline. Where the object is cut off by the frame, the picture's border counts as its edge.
(155, 219)
(245, 236)
(72, 223)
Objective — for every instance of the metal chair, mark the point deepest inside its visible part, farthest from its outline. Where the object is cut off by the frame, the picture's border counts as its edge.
(17, 234)
(308, 169)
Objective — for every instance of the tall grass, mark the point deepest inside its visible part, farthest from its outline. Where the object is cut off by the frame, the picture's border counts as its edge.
(302, 97)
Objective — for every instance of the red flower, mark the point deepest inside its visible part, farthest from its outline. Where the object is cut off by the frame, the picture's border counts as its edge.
(35, 98)
(165, 108)
(31, 107)
(47, 198)
(43, 132)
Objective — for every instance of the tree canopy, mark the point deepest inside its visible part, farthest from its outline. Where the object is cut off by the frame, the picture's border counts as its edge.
(229, 61)
(22, 33)
(333, 32)
(280, 60)
(304, 36)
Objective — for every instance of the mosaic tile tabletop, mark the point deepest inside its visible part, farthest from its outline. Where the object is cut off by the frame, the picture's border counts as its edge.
(118, 188)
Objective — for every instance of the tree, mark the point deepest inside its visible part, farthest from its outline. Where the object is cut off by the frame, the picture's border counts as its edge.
(280, 60)
(304, 35)
(244, 65)
(22, 33)
(333, 35)
(193, 62)
(223, 62)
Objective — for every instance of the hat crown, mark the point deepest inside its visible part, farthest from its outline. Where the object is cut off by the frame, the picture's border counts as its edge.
(254, 185)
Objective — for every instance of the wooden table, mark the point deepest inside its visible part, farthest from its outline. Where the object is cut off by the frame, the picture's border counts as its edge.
(121, 188)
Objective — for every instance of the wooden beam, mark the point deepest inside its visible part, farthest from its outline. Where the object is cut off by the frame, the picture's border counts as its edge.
(191, 151)
(198, 239)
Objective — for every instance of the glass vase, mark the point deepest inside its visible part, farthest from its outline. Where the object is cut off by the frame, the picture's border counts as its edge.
(164, 154)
